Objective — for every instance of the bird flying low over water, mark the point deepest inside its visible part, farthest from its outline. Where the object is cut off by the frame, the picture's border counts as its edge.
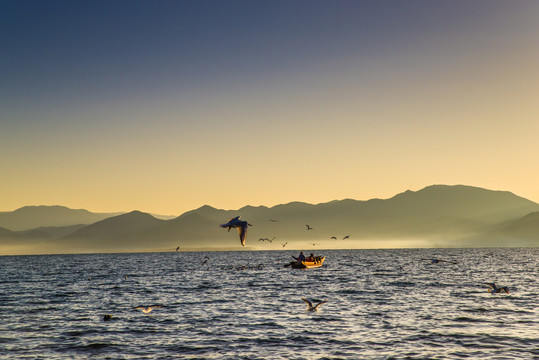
(436, 261)
(494, 289)
(206, 258)
(238, 224)
(284, 244)
(346, 237)
(147, 309)
(333, 237)
(310, 306)
(178, 248)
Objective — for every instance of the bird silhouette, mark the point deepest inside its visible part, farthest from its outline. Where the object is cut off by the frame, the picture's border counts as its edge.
(238, 224)
(273, 220)
(284, 244)
(206, 258)
(346, 237)
(178, 248)
(308, 227)
(334, 237)
(310, 306)
(495, 290)
(437, 261)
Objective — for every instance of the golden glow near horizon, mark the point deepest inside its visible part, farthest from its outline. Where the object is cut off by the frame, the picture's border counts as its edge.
(457, 108)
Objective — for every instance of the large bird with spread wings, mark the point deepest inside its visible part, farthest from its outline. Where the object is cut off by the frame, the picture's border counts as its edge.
(238, 224)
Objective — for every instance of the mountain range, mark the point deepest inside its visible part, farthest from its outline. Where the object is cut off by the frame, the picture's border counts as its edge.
(438, 215)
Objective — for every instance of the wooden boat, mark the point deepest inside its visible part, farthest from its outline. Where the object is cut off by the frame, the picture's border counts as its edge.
(319, 260)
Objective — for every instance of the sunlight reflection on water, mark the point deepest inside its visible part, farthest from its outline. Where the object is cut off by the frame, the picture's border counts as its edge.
(382, 303)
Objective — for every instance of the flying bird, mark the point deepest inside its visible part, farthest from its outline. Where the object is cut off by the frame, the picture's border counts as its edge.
(147, 309)
(333, 237)
(266, 239)
(178, 248)
(436, 261)
(494, 289)
(346, 237)
(310, 306)
(238, 224)
(273, 220)
(206, 258)
(284, 244)
(308, 227)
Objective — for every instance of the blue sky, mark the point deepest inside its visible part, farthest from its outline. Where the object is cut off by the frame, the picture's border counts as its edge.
(164, 105)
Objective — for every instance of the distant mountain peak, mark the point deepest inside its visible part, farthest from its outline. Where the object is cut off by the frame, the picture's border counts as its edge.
(135, 213)
(206, 207)
(45, 208)
(31, 217)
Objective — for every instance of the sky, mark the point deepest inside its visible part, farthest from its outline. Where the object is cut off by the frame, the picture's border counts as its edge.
(166, 106)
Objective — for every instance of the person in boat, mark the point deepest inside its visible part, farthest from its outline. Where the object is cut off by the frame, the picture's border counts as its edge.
(300, 258)
(310, 258)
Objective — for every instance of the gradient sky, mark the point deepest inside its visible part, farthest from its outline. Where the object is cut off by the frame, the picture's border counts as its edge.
(164, 106)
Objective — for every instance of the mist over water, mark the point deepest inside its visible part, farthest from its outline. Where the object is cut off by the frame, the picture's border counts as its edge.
(247, 305)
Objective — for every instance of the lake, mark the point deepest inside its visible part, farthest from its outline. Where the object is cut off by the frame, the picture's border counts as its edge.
(382, 304)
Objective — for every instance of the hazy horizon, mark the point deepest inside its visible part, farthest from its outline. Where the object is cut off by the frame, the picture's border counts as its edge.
(165, 107)
(438, 216)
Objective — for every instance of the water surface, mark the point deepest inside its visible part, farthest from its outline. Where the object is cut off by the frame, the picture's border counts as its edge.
(383, 304)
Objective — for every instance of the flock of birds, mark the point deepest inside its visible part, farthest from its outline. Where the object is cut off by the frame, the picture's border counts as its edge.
(310, 305)
(242, 227)
(242, 230)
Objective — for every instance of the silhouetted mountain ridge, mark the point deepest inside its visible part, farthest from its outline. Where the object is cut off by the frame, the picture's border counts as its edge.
(440, 214)
(526, 226)
(116, 226)
(31, 217)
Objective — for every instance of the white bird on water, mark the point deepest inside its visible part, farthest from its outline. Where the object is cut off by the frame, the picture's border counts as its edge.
(147, 309)
(310, 306)
(238, 224)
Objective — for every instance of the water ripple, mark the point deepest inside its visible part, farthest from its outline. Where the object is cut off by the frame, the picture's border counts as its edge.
(383, 304)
